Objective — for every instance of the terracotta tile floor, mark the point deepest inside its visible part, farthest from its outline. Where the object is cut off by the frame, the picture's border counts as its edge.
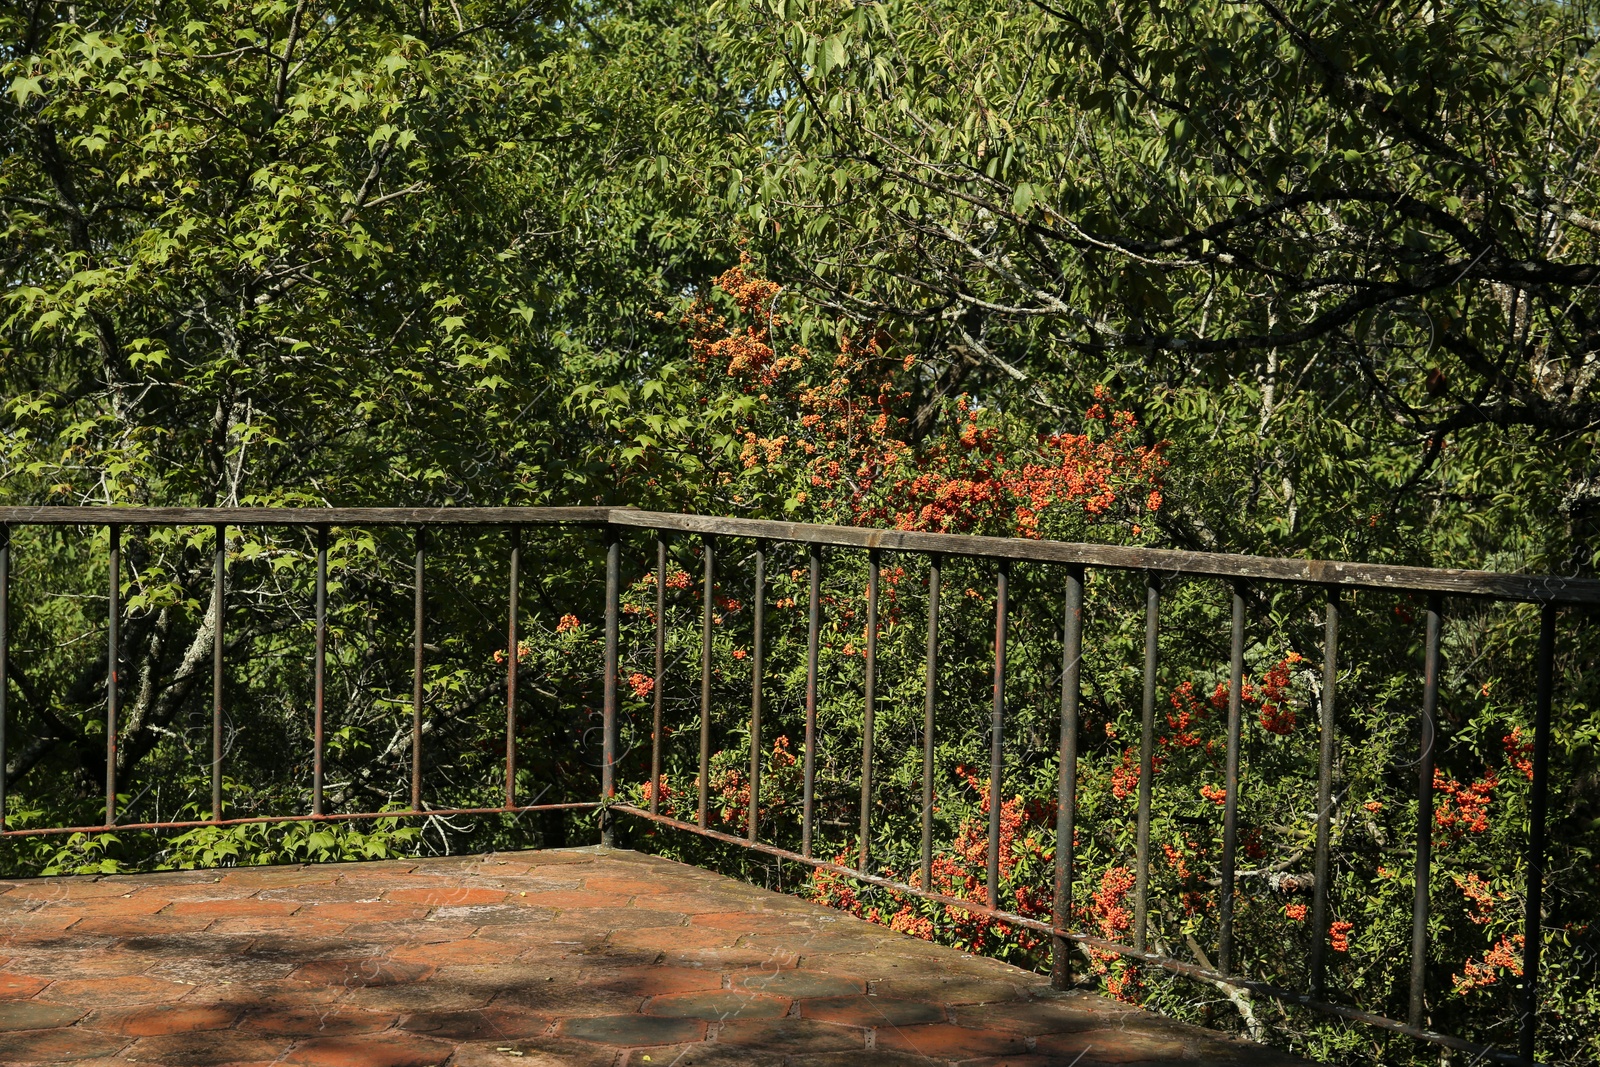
(571, 957)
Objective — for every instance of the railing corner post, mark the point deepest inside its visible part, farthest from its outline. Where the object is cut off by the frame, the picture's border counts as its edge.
(608, 769)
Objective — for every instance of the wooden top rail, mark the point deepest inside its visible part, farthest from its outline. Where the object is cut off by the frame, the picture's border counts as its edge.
(1548, 588)
(1533, 588)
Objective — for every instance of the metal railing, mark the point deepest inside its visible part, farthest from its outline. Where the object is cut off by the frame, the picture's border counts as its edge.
(1074, 560)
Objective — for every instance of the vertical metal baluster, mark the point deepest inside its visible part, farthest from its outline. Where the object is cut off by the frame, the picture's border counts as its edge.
(755, 688)
(319, 670)
(1230, 811)
(1067, 776)
(5, 654)
(705, 675)
(929, 689)
(113, 639)
(813, 630)
(219, 570)
(1425, 763)
(661, 669)
(608, 724)
(513, 653)
(416, 679)
(1319, 898)
(869, 718)
(1141, 900)
(1533, 917)
(997, 729)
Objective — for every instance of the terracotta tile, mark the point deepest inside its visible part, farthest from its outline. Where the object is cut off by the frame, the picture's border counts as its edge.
(38, 926)
(647, 888)
(446, 896)
(716, 1054)
(216, 909)
(423, 996)
(217, 970)
(196, 876)
(159, 942)
(566, 945)
(467, 950)
(871, 1012)
(623, 918)
(135, 990)
(37, 1015)
(749, 921)
(296, 874)
(883, 1057)
(363, 912)
(513, 975)
(675, 938)
(61, 887)
(212, 1048)
(522, 916)
(245, 925)
(430, 929)
(162, 925)
(20, 986)
(949, 990)
(518, 889)
(105, 963)
(656, 981)
(211, 888)
(162, 1020)
(634, 1030)
(732, 959)
(571, 898)
(489, 1024)
(555, 857)
(293, 943)
(802, 984)
(1030, 1017)
(567, 997)
(696, 903)
(1117, 1045)
(790, 1036)
(868, 965)
(360, 973)
(381, 1051)
(460, 865)
(607, 954)
(322, 893)
(295, 1021)
(542, 1052)
(268, 996)
(944, 1041)
(59, 1046)
(378, 881)
(122, 905)
(719, 1004)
